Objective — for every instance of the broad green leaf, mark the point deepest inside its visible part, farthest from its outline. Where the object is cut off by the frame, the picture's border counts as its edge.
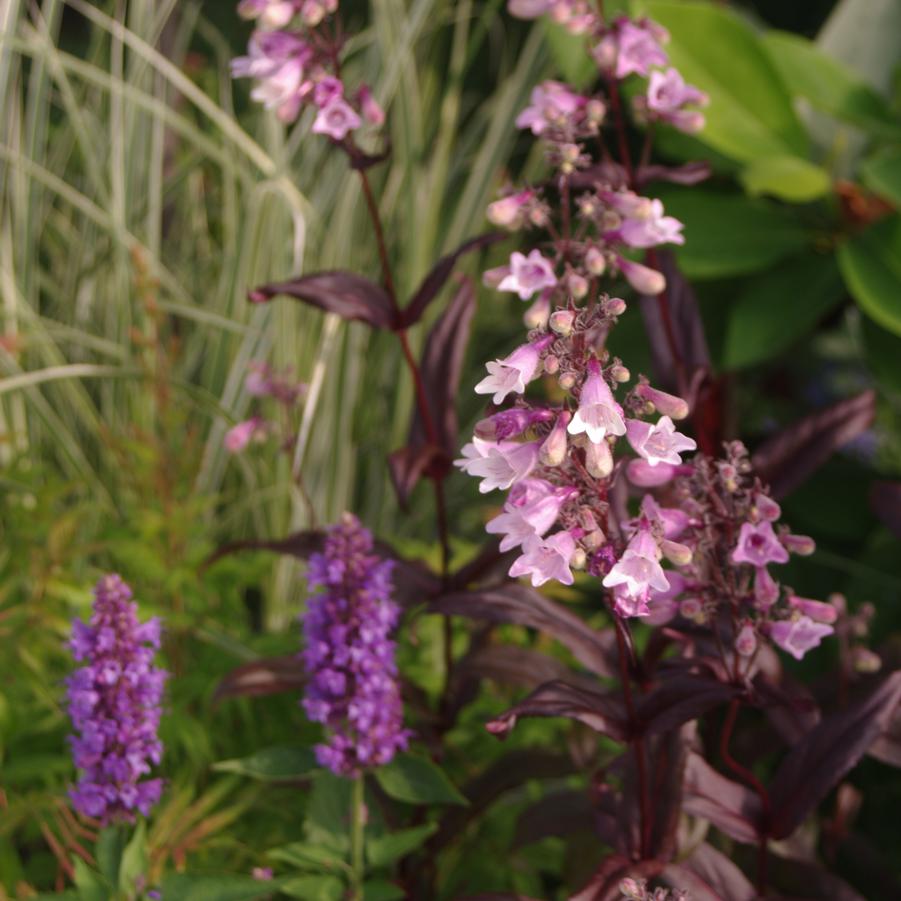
(108, 851)
(417, 780)
(882, 173)
(90, 884)
(778, 307)
(134, 859)
(380, 890)
(306, 856)
(750, 112)
(730, 234)
(313, 888)
(570, 57)
(182, 887)
(871, 265)
(786, 177)
(272, 764)
(882, 351)
(328, 813)
(387, 848)
(828, 84)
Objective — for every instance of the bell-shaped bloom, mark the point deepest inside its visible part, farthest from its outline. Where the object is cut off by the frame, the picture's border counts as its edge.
(278, 60)
(552, 104)
(370, 107)
(553, 449)
(532, 507)
(667, 98)
(638, 570)
(626, 604)
(798, 636)
(650, 229)
(633, 47)
(642, 474)
(766, 588)
(498, 464)
(510, 423)
(673, 521)
(509, 211)
(511, 374)
(817, 610)
(336, 119)
(666, 404)
(239, 436)
(659, 443)
(758, 545)
(546, 558)
(599, 414)
(528, 274)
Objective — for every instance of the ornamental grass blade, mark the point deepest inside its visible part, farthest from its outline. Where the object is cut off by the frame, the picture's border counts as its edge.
(818, 762)
(709, 875)
(729, 806)
(604, 713)
(346, 294)
(524, 606)
(790, 457)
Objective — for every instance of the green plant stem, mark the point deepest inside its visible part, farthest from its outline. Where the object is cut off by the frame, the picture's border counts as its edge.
(357, 828)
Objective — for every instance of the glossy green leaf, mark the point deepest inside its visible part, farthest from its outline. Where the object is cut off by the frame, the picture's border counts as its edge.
(750, 112)
(417, 780)
(307, 856)
(730, 234)
(871, 265)
(786, 177)
(380, 890)
(390, 847)
(828, 84)
(272, 764)
(184, 887)
(328, 813)
(313, 888)
(881, 173)
(882, 350)
(90, 884)
(778, 307)
(108, 851)
(568, 52)
(134, 859)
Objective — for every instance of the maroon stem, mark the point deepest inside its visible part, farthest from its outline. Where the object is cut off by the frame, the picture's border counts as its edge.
(637, 743)
(749, 777)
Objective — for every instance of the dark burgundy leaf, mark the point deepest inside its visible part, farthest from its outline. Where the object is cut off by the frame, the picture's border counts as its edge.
(680, 699)
(790, 457)
(406, 467)
(498, 896)
(606, 173)
(728, 805)
(887, 747)
(362, 161)
(557, 814)
(604, 713)
(524, 606)
(789, 707)
(803, 879)
(687, 174)
(440, 273)
(349, 295)
(885, 501)
(441, 367)
(512, 665)
(269, 676)
(821, 759)
(488, 565)
(709, 875)
(604, 884)
(667, 755)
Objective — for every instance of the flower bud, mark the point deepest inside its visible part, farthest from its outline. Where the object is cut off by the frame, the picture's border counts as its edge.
(561, 322)
(766, 589)
(491, 278)
(594, 539)
(802, 545)
(595, 110)
(620, 373)
(369, 106)
(598, 459)
(865, 661)
(839, 601)
(642, 474)
(567, 381)
(615, 306)
(676, 553)
(551, 364)
(508, 211)
(577, 285)
(667, 404)
(746, 640)
(641, 278)
(816, 610)
(691, 608)
(595, 262)
(587, 520)
(766, 508)
(632, 889)
(578, 559)
(537, 314)
(553, 450)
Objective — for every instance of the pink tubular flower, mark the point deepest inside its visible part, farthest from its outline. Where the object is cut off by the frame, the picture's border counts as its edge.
(659, 443)
(667, 97)
(672, 520)
(817, 610)
(766, 588)
(278, 61)
(552, 103)
(644, 475)
(667, 404)
(336, 119)
(798, 636)
(642, 278)
(638, 570)
(511, 374)
(599, 414)
(634, 47)
(546, 559)
(498, 464)
(239, 436)
(327, 89)
(758, 545)
(553, 449)
(651, 229)
(531, 509)
(271, 13)
(510, 423)
(508, 211)
(370, 107)
(528, 274)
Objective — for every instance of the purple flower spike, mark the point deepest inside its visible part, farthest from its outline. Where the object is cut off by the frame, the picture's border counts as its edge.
(114, 704)
(353, 687)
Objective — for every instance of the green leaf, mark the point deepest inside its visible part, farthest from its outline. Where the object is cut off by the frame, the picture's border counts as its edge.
(730, 234)
(786, 177)
(380, 890)
(90, 884)
(275, 764)
(871, 265)
(109, 848)
(568, 52)
(182, 887)
(882, 352)
(881, 173)
(134, 859)
(750, 112)
(778, 307)
(313, 888)
(828, 84)
(328, 813)
(417, 780)
(390, 847)
(305, 856)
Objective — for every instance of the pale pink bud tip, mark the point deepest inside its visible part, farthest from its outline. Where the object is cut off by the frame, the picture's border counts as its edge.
(258, 296)
(667, 404)
(816, 610)
(641, 278)
(802, 545)
(746, 641)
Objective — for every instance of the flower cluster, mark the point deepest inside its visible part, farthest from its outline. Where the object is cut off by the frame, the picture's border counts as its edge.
(114, 704)
(263, 382)
(723, 515)
(295, 63)
(637, 890)
(353, 686)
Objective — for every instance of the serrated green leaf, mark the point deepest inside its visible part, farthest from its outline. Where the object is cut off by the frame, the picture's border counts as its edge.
(786, 177)
(730, 234)
(828, 84)
(750, 112)
(380, 890)
(882, 173)
(390, 847)
(134, 859)
(305, 856)
(871, 265)
(108, 851)
(313, 888)
(276, 764)
(183, 887)
(417, 780)
(778, 307)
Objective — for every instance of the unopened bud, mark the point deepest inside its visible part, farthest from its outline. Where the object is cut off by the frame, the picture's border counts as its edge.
(667, 404)
(578, 559)
(491, 278)
(567, 381)
(595, 261)
(746, 640)
(691, 608)
(766, 508)
(598, 459)
(372, 111)
(595, 110)
(802, 545)
(641, 278)
(551, 364)
(553, 450)
(642, 474)
(620, 373)
(865, 661)
(839, 601)
(537, 314)
(615, 306)
(816, 610)
(594, 539)
(561, 322)
(570, 153)
(577, 285)
(676, 553)
(508, 211)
